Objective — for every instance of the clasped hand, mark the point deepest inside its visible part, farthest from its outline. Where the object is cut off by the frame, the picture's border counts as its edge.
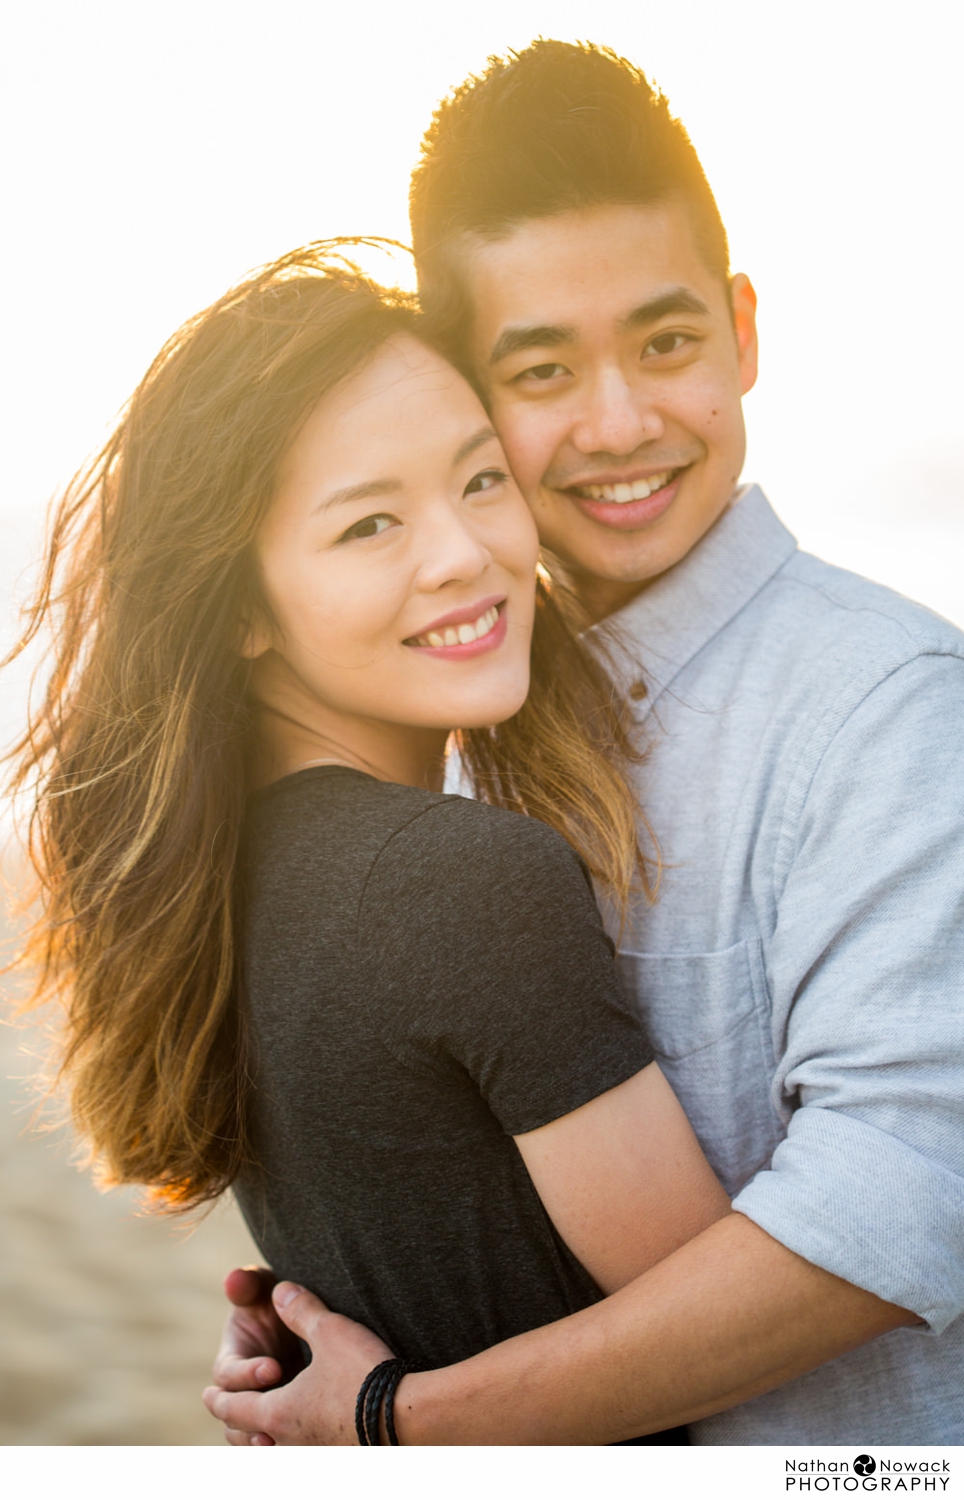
(263, 1392)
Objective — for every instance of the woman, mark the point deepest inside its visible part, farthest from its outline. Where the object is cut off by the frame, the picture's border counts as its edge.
(287, 960)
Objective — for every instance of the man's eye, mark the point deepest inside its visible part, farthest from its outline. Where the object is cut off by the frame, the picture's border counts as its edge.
(666, 343)
(488, 479)
(371, 526)
(543, 372)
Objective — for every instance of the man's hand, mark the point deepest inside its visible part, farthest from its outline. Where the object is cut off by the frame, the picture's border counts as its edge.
(317, 1407)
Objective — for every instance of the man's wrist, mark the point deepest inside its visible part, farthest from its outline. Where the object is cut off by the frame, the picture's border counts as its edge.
(419, 1402)
(494, 1397)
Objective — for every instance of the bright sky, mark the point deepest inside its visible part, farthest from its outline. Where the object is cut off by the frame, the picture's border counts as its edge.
(156, 152)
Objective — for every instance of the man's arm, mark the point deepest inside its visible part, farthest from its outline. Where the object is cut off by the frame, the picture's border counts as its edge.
(726, 1317)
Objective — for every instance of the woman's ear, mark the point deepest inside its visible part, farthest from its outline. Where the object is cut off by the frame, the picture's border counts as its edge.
(255, 635)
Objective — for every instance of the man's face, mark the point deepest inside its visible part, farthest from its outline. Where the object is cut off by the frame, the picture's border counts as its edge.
(614, 361)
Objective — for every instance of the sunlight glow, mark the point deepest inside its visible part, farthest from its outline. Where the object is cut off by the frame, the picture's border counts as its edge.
(162, 151)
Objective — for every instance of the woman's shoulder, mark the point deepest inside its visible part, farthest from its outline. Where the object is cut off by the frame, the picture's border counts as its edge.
(327, 822)
(469, 850)
(378, 834)
(496, 829)
(319, 793)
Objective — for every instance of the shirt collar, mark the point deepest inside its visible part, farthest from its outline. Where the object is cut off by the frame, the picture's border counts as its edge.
(664, 627)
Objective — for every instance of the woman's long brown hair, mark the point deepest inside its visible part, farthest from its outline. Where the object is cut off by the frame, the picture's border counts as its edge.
(137, 759)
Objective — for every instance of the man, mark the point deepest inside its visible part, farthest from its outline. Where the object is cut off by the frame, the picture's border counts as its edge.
(801, 973)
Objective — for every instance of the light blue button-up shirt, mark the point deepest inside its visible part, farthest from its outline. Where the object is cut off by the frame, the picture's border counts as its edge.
(802, 973)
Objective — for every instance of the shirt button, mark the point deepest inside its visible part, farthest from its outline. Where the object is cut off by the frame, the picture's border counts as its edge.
(638, 691)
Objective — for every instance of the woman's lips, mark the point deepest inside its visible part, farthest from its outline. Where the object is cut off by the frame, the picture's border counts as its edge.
(629, 515)
(464, 650)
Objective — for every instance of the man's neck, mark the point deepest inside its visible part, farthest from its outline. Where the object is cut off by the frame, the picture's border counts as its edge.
(601, 597)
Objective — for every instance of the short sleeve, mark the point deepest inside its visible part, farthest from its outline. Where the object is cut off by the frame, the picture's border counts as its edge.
(480, 937)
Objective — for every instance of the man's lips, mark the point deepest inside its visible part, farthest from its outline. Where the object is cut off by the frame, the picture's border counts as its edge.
(622, 489)
(626, 504)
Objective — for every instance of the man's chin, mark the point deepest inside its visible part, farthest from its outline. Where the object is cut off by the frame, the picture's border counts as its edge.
(601, 584)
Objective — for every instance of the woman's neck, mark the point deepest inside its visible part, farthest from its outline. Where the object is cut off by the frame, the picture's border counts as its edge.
(388, 758)
(294, 731)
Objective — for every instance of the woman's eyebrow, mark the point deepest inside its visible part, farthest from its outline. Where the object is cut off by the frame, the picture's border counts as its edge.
(368, 490)
(477, 440)
(371, 489)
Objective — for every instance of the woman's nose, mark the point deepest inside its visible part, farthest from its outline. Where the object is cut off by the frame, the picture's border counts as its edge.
(452, 551)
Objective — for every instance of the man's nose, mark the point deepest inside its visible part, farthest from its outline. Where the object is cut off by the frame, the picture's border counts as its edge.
(616, 415)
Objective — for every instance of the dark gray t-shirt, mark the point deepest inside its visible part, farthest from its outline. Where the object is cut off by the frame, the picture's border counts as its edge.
(426, 977)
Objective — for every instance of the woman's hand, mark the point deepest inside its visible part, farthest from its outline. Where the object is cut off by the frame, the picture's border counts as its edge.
(257, 1350)
(317, 1407)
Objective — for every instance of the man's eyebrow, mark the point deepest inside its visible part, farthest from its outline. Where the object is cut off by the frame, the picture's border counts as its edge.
(676, 299)
(535, 336)
(366, 491)
(477, 440)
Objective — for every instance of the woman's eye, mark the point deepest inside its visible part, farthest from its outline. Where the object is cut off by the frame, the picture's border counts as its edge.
(489, 479)
(543, 372)
(371, 526)
(666, 343)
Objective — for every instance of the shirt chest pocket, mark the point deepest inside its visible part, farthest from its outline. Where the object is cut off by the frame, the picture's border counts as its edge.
(707, 1016)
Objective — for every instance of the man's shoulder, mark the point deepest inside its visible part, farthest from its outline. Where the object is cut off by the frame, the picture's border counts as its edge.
(867, 615)
(747, 603)
(820, 641)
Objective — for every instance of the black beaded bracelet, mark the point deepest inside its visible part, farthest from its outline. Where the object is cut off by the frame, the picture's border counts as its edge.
(378, 1388)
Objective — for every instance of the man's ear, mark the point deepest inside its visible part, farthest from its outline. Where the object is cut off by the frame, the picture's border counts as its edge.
(743, 302)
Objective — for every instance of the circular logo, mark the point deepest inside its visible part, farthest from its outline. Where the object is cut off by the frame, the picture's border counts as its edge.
(864, 1464)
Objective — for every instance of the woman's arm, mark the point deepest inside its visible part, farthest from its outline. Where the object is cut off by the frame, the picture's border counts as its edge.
(623, 1178)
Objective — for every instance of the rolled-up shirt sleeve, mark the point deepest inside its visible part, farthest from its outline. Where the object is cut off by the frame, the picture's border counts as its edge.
(866, 970)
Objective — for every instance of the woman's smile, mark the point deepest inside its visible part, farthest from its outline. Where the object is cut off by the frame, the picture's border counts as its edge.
(464, 633)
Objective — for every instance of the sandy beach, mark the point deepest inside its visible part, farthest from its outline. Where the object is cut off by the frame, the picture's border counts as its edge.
(108, 1319)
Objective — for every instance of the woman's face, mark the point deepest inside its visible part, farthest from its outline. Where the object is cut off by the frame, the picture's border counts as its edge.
(398, 556)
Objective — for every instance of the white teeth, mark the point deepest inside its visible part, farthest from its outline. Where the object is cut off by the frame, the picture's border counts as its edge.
(620, 494)
(461, 635)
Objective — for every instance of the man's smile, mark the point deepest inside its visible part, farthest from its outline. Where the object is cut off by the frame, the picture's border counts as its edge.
(627, 499)
(621, 492)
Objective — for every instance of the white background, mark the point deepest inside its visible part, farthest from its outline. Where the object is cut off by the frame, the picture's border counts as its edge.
(156, 152)
(510, 1473)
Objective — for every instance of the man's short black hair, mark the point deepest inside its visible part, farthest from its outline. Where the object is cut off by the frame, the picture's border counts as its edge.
(556, 127)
